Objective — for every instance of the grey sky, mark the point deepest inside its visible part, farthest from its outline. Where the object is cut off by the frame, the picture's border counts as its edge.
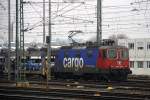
(119, 17)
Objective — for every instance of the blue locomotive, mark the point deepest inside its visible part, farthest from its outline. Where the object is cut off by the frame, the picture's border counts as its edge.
(109, 62)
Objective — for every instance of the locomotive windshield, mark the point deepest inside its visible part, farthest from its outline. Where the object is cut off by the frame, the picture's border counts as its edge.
(124, 53)
(112, 53)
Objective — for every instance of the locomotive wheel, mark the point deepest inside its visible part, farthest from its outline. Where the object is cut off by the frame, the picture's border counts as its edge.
(118, 75)
(104, 77)
(124, 76)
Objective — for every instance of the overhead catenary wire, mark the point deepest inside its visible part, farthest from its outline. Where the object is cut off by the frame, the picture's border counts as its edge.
(63, 15)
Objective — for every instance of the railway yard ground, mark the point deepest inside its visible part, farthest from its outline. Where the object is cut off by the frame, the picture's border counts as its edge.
(136, 88)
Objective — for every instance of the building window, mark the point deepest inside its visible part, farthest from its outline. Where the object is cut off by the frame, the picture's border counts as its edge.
(140, 48)
(148, 64)
(140, 64)
(148, 46)
(140, 45)
(131, 64)
(131, 45)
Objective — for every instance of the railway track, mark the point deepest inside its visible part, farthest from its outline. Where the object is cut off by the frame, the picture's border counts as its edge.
(138, 77)
(130, 83)
(133, 85)
(106, 86)
(64, 89)
(65, 93)
(116, 91)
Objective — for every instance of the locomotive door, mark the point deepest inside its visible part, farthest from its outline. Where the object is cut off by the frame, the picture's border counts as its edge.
(119, 52)
(103, 58)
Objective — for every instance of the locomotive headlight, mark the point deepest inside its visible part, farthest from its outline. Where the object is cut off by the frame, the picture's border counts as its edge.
(119, 62)
(112, 66)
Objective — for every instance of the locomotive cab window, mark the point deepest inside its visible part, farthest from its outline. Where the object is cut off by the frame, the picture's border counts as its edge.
(124, 54)
(112, 53)
(104, 54)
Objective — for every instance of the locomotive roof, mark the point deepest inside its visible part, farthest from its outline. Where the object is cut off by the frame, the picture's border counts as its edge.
(114, 46)
(106, 43)
(83, 47)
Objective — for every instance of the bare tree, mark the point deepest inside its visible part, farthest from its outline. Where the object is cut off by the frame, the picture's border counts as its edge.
(118, 36)
(122, 36)
(92, 39)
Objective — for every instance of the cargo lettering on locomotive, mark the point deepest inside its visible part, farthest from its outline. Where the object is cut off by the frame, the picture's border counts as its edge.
(73, 62)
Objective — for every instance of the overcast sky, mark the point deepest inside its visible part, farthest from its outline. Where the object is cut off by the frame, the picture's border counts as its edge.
(130, 17)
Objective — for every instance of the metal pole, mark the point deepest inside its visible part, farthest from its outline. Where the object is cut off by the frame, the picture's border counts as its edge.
(49, 44)
(99, 22)
(21, 40)
(43, 21)
(17, 44)
(12, 32)
(9, 40)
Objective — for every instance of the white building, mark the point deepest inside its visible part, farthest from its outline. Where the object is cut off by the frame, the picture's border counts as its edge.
(139, 54)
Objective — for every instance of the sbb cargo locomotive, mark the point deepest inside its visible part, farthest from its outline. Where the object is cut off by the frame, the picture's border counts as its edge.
(108, 62)
(105, 62)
